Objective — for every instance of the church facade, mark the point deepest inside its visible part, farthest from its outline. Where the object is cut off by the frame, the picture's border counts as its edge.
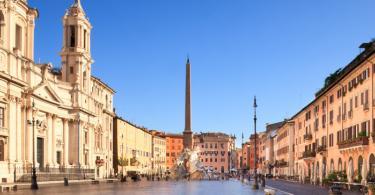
(66, 113)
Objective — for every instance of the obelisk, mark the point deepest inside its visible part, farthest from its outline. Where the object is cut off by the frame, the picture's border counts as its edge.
(188, 133)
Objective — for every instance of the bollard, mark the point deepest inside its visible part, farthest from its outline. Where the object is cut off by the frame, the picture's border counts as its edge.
(66, 182)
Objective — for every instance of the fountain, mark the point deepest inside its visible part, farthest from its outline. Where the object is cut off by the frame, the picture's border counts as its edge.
(188, 166)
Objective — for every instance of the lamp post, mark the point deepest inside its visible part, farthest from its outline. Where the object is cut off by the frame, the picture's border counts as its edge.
(255, 186)
(33, 122)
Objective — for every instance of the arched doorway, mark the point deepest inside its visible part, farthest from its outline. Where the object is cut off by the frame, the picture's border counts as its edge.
(372, 165)
(360, 165)
(332, 166)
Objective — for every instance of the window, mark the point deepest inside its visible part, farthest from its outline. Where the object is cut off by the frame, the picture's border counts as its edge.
(2, 150)
(71, 70)
(2, 24)
(331, 117)
(72, 41)
(18, 37)
(85, 39)
(331, 99)
(331, 140)
(2, 117)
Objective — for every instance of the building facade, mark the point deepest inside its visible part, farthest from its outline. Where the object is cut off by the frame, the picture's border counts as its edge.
(284, 159)
(239, 159)
(174, 147)
(215, 151)
(158, 153)
(246, 156)
(262, 168)
(69, 110)
(132, 148)
(334, 132)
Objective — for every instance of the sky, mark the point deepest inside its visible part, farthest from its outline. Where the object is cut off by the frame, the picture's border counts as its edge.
(280, 51)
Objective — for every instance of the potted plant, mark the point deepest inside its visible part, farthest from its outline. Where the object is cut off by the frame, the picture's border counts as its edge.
(371, 188)
(362, 134)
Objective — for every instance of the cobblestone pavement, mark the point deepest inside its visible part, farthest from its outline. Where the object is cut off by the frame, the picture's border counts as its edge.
(301, 189)
(232, 187)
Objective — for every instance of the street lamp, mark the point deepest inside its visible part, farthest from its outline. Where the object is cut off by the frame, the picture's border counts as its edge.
(33, 122)
(255, 186)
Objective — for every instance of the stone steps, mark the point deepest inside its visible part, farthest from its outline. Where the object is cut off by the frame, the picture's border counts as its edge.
(56, 177)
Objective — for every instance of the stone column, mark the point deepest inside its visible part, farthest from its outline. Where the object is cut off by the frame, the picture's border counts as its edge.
(49, 140)
(29, 136)
(19, 133)
(53, 148)
(66, 142)
(12, 113)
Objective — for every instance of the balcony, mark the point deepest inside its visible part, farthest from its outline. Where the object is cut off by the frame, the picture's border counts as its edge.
(281, 163)
(321, 149)
(308, 154)
(356, 142)
(307, 136)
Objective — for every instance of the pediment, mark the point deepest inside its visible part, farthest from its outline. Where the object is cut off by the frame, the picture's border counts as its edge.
(46, 92)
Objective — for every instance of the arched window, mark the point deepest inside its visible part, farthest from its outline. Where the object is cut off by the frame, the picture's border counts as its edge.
(340, 164)
(360, 165)
(2, 150)
(332, 166)
(372, 164)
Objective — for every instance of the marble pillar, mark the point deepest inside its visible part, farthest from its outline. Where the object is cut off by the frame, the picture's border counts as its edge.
(29, 135)
(53, 148)
(49, 140)
(66, 142)
(18, 129)
(12, 113)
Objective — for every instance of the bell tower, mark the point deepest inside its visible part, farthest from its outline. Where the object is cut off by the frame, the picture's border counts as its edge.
(76, 51)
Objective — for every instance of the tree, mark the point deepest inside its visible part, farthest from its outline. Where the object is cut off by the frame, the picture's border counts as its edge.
(332, 78)
(123, 161)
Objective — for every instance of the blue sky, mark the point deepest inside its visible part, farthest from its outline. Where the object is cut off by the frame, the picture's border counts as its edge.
(280, 51)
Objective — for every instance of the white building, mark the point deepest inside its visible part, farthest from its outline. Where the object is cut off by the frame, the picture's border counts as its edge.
(72, 110)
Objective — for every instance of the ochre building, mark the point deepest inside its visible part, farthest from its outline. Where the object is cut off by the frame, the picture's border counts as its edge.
(132, 148)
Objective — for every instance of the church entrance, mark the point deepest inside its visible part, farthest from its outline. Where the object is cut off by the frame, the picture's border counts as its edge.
(40, 152)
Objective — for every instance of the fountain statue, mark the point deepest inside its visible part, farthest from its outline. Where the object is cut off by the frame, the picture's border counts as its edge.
(188, 166)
